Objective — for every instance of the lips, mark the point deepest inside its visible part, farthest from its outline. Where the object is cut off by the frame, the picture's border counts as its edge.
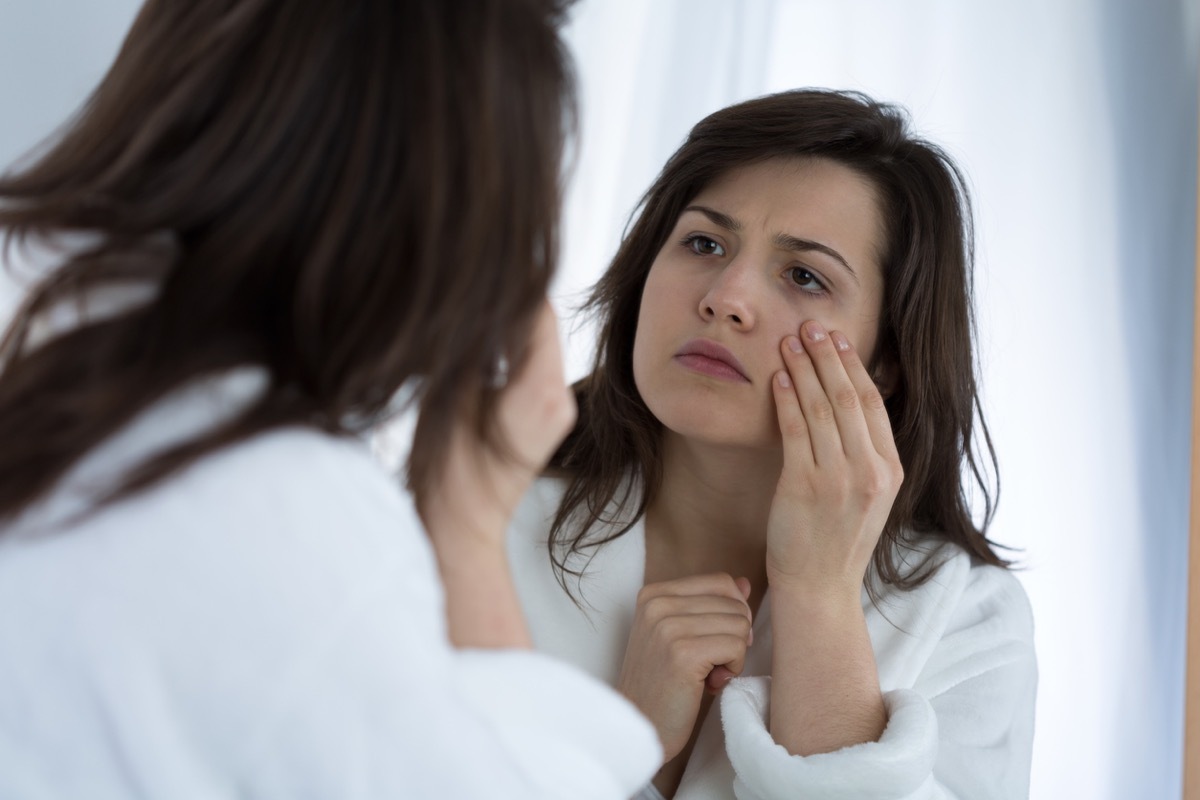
(709, 358)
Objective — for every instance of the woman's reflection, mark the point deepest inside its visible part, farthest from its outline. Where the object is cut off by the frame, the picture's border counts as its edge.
(784, 399)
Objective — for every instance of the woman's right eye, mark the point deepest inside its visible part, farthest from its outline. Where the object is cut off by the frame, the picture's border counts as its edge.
(703, 246)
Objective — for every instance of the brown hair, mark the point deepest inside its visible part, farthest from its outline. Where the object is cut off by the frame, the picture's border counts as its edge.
(351, 194)
(925, 337)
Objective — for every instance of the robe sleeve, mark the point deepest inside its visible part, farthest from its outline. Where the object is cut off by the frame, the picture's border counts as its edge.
(964, 729)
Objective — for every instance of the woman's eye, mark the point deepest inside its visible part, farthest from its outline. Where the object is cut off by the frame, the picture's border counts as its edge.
(704, 246)
(806, 280)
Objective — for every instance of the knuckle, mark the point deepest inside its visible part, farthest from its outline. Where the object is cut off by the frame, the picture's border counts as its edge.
(821, 411)
(671, 629)
(794, 428)
(657, 608)
(874, 487)
(873, 400)
(877, 483)
(680, 652)
(846, 398)
(730, 650)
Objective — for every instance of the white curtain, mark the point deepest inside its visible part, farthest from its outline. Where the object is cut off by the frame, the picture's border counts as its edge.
(1076, 123)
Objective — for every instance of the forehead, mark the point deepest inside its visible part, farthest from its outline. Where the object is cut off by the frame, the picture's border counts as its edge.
(812, 198)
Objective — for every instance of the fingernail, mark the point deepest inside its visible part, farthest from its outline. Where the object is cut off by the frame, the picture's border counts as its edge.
(816, 332)
(794, 344)
(840, 341)
(750, 638)
(784, 380)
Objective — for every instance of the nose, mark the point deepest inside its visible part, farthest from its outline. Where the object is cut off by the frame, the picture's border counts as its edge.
(730, 297)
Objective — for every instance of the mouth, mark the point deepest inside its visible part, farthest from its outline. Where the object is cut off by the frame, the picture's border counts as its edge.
(709, 358)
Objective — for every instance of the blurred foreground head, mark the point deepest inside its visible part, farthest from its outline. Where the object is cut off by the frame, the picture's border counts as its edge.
(351, 194)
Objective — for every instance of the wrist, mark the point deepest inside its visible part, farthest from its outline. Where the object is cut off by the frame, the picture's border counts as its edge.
(482, 607)
(459, 525)
(816, 599)
(815, 588)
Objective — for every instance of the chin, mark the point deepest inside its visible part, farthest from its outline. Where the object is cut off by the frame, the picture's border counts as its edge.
(709, 412)
(715, 424)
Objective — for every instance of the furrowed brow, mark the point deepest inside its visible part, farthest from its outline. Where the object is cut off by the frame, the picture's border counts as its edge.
(788, 242)
(724, 220)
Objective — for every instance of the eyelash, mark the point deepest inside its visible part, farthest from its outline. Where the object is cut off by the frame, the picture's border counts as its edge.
(821, 290)
(691, 240)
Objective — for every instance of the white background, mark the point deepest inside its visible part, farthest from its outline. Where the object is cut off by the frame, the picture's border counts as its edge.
(1076, 124)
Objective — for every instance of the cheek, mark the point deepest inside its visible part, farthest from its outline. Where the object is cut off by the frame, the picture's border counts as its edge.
(867, 340)
(644, 338)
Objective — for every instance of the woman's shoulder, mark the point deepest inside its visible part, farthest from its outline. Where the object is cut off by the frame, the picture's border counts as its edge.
(317, 497)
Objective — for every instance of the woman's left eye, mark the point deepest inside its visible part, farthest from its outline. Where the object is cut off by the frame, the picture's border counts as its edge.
(703, 246)
(806, 280)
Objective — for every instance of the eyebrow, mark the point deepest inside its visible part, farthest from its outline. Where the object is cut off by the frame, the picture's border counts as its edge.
(782, 240)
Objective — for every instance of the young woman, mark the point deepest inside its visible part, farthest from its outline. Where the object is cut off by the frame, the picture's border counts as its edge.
(766, 476)
(275, 224)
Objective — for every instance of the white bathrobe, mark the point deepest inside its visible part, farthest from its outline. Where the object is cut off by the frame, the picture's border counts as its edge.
(955, 658)
(269, 624)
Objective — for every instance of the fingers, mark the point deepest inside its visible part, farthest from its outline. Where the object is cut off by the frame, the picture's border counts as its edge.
(718, 583)
(537, 408)
(793, 427)
(688, 636)
(718, 679)
(698, 630)
(828, 398)
(879, 425)
(843, 412)
(668, 597)
(722, 674)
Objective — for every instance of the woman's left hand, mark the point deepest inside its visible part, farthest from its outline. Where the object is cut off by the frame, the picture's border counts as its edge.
(841, 470)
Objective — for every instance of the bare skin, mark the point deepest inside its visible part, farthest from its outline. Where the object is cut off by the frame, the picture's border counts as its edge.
(825, 688)
(536, 411)
(779, 468)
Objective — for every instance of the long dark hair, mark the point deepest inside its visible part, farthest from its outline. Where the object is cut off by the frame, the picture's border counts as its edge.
(351, 194)
(926, 331)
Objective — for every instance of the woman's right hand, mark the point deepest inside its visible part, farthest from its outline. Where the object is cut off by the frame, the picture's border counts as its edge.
(468, 509)
(535, 413)
(479, 487)
(684, 630)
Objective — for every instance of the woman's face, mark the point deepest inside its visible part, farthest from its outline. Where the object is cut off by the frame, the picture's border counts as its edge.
(758, 252)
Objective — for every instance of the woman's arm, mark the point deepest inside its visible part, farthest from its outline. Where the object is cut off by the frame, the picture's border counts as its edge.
(961, 728)
(366, 698)
(841, 473)
(825, 686)
(467, 513)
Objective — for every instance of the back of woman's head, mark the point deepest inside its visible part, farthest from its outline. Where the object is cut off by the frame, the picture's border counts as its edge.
(925, 346)
(352, 194)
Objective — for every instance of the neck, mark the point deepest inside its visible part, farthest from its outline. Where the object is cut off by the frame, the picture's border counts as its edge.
(710, 513)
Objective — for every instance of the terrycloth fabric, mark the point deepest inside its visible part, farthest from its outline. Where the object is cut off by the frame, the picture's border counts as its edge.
(955, 657)
(269, 624)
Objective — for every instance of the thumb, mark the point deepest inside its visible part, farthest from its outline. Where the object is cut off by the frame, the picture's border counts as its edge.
(717, 679)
